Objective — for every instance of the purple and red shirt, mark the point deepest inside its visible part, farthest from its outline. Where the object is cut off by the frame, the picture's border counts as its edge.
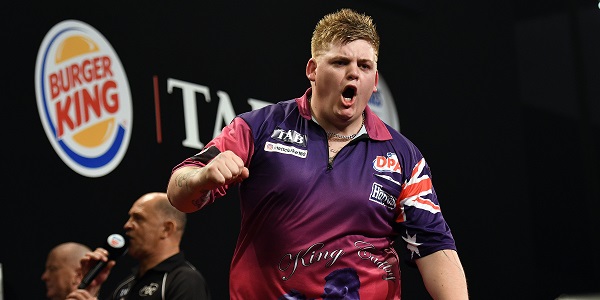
(311, 229)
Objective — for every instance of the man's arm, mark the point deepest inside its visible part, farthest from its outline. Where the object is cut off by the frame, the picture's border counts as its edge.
(443, 275)
(189, 185)
(87, 262)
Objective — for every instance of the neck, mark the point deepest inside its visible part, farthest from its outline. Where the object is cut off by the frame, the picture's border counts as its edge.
(331, 134)
(337, 136)
(152, 261)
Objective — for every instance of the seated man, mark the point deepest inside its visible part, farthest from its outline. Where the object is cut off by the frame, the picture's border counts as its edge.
(63, 270)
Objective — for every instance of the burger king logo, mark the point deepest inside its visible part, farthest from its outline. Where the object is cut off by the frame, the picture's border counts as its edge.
(83, 98)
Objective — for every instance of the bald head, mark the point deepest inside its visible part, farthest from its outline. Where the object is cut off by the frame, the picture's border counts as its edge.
(71, 251)
(63, 271)
(154, 228)
(160, 203)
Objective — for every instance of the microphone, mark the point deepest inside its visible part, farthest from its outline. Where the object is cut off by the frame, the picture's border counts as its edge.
(116, 245)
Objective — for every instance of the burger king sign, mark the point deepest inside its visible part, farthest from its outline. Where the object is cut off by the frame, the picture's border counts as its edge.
(83, 98)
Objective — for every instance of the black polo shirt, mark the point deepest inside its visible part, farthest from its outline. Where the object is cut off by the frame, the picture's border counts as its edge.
(174, 278)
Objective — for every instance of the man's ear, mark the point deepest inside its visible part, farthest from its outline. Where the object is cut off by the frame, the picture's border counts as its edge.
(78, 276)
(169, 228)
(311, 69)
(376, 81)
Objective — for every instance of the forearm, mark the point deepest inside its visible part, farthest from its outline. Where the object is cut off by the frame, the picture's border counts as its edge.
(185, 191)
(443, 275)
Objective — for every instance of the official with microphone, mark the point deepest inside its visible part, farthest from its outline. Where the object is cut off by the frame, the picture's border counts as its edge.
(153, 236)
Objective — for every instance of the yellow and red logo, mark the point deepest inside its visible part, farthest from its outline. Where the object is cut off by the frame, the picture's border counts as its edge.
(83, 98)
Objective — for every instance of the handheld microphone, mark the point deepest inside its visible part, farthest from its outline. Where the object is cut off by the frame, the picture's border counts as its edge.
(116, 245)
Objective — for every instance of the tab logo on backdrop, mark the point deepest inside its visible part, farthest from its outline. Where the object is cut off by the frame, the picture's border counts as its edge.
(83, 98)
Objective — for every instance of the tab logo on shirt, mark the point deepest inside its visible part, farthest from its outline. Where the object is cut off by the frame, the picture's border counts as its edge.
(289, 136)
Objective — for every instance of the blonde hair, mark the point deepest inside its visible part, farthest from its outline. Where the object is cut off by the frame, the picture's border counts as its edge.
(343, 26)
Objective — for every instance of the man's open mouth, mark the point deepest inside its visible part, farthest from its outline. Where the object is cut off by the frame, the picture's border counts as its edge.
(349, 93)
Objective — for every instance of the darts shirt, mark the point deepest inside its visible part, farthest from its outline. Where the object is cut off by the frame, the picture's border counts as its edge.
(311, 229)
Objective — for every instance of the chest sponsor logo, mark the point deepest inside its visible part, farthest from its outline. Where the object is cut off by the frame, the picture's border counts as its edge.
(148, 290)
(284, 149)
(289, 136)
(380, 196)
(387, 163)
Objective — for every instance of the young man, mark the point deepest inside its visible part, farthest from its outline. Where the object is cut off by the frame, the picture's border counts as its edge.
(326, 187)
(154, 231)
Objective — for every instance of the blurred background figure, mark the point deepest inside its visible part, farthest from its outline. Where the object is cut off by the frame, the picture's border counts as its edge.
(154, 230)
(63, 269)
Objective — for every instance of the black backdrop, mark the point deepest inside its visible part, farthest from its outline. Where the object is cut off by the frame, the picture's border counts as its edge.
(501, 97)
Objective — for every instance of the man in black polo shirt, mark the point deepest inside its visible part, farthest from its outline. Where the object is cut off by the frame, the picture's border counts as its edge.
(154, 230)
